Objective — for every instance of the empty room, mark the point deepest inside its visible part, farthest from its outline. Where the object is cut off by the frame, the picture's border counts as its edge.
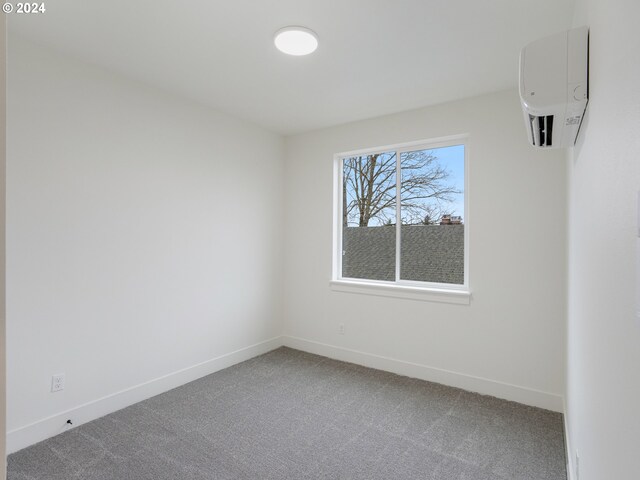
(297, 239)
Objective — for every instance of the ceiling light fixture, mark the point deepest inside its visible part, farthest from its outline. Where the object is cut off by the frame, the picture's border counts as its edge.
(296, 40)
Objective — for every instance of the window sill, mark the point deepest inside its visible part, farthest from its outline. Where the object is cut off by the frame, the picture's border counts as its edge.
(459, 297)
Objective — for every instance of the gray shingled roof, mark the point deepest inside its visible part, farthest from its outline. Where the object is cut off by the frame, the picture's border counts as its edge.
(430, 253)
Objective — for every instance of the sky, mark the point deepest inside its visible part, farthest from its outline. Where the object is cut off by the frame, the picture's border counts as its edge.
(452, 158)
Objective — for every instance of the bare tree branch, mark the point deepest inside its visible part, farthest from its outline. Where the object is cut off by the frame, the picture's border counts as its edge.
(369, 189)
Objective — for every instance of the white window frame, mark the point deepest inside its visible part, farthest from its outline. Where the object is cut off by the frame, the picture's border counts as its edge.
(430, 291)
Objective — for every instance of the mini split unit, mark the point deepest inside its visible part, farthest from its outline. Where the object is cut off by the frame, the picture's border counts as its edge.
(554, 87)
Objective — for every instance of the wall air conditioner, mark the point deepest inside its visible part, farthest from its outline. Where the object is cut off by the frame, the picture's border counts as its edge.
(554, 87)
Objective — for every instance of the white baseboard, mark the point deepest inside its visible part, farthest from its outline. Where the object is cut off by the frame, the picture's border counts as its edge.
(26, 435)
(567, 445)
(485, 386)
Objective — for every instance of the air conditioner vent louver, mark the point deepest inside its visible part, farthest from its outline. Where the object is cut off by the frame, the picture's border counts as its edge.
(541, 130)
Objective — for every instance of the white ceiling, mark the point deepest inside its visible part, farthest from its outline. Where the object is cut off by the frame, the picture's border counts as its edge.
(375, 56)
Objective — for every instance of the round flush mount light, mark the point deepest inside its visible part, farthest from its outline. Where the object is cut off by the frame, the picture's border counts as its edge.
(296, 40)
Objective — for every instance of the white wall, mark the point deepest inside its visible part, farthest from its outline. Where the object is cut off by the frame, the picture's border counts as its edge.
(603, 383)
(143, 237)
(3, 150)
(510, 341)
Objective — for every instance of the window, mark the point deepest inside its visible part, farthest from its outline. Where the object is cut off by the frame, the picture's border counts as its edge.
(401, 218)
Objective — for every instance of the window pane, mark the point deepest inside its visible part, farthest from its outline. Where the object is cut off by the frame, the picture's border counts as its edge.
(369, 217)
(432, 213)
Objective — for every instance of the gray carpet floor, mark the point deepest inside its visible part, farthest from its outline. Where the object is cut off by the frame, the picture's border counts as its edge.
(292, 415)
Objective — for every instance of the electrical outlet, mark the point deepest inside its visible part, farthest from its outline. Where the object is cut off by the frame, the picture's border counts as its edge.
(577, 466)
(341, 329)
(57, 383)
